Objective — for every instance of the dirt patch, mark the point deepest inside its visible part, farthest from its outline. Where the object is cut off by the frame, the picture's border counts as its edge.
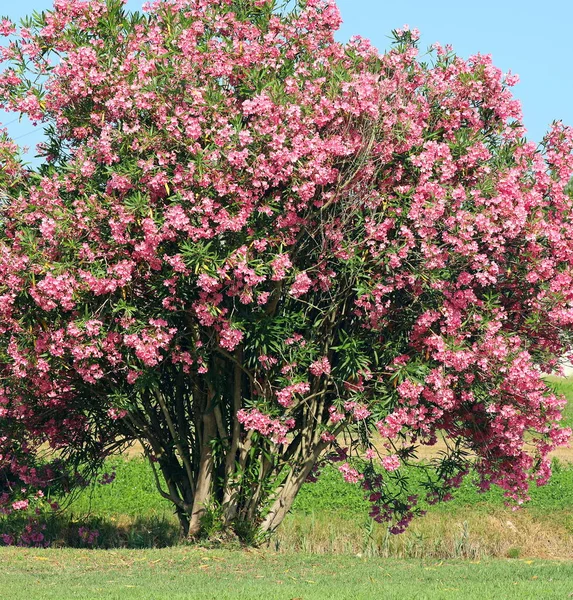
(563, 453)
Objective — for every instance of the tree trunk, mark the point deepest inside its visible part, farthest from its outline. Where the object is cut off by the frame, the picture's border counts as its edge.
(284, 501)
(205, 475)
(229, 496)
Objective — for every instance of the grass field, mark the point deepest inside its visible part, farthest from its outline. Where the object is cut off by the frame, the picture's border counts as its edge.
(331, 516)
(185, 572)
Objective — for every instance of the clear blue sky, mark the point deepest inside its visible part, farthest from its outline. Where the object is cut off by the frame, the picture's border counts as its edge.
(528, 37)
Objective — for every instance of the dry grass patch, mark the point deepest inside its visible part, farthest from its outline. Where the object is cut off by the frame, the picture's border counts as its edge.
(472, 534)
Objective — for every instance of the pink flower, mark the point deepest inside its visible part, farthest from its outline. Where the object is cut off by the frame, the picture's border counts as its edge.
(263, 298)
(280, 265)
(286, 395)
(391, 463)
(116, 413)
(301, 285)
(208, 283)
(132, 376)
(295, 339)
(360, 412)
(7, 27)
(335, 416)
(350, 475)
(255, 420)
(410, 390)
(51, 291)
(320, 367)
(229, 337)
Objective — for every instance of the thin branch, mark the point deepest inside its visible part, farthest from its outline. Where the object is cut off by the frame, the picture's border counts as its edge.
(184, 455)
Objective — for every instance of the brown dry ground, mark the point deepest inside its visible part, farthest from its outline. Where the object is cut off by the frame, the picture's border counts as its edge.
(564, 453)
(424, 452)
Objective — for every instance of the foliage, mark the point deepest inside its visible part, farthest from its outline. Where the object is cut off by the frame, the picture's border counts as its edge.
(252, 249)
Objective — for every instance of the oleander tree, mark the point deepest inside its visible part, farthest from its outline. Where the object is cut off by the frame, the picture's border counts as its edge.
(254, 250)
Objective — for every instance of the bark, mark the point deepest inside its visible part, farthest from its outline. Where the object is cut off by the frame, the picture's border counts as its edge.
(205, 475)
(229, 501)
(286, 496)
(177, 441)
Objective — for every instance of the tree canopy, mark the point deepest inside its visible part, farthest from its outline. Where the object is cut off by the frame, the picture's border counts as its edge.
(255, 249)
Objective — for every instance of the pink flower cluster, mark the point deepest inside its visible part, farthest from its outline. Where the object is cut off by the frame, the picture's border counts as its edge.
(53, 291)
(148, 343)
(350, 474)
(273, 428)
(116, 413)
(391, 463)
(285, 396)
(230, 338)
(320, 367)
(301, 285)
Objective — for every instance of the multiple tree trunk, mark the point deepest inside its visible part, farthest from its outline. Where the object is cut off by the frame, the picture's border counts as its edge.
(188, 427)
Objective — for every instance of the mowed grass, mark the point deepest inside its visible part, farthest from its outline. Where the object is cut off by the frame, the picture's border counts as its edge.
(186, 572)
(564, 385)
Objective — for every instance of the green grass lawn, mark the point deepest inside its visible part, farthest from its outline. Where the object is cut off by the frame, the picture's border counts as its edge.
(185, 572)
(133, 493)
(564, 385)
